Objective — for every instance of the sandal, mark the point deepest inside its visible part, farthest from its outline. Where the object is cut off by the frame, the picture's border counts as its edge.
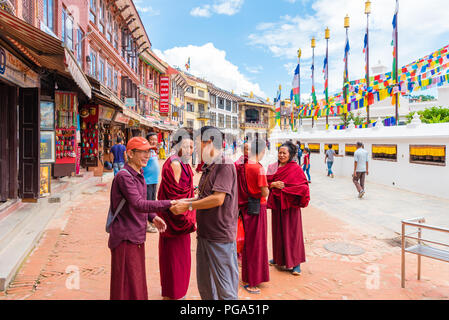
(296, 271)
(253, 290)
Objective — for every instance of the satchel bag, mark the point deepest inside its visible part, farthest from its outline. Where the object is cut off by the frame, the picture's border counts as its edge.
(113, 215)
(253, 203)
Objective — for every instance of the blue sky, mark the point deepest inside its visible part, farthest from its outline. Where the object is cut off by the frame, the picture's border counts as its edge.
(250, 45)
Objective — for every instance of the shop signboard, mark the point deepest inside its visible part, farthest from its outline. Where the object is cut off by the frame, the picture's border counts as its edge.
(106, 113)
(14, 70)
(121, 118)
(164, 106)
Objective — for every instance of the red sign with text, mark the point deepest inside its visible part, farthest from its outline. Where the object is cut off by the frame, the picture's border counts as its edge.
(164, 106)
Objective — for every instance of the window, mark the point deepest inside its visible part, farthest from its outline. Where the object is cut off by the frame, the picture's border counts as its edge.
(190, 123)
(220, 120)
(101, 71)
(431, 155)
(234, 123)
(80, 47)
(385, 152)
(93, 11)
(101, 24)
(314, 147)
(63, 29)
(109, 77)
(93, 64)
(234, 107)
(190, 89)
(220, 103)
(228, 105)
(115, 80)
(201, 93)
(350, 149)
(67, 29)
(48, 14)
(109, 24)
(200, 107)
(190, 107)
(213, 119)
(116, 35)
(213, 101)
(228, 122)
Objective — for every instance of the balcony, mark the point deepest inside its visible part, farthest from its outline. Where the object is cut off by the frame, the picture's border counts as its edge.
(202, 115)
(254, 125)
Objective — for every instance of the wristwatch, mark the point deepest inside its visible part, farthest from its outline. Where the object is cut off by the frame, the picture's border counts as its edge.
(190, 206)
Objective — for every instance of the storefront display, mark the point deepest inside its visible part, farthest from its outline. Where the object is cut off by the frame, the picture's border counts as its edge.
(45, 180)
(47, 147)
(89, 135)
(66, 105)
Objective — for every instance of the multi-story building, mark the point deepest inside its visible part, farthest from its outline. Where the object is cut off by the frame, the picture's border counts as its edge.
(224, 112)
(256, 116)
(178, 87)
(197, 100)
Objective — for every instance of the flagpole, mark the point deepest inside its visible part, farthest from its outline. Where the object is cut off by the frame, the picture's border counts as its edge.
(326, 82)
(367, 12)
(345, 89)
(397, 65)
(299, 82)
(313, 45)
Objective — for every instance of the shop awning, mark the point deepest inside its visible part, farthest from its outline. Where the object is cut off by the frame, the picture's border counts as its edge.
(43, 49)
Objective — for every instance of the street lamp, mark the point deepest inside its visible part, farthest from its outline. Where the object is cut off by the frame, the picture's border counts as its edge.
(327, 35)
(313, 45)
(345, 89)
(367, 12)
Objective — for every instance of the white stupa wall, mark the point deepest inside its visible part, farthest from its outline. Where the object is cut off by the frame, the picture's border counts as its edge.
(421, 178)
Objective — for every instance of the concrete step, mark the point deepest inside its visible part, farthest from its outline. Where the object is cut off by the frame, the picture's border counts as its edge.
(22, 230)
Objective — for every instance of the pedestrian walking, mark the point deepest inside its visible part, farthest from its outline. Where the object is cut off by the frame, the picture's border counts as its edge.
(306, 165)
(151, 173)
(299, 155)
(127, 231)
(118, 155)
(252, 193)
(289, 192)
(329, 160)
(360, 169)
(217, 215)
(174, 243)
(162, 153)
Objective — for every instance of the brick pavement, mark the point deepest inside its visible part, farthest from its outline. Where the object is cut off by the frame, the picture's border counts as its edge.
(77, 241)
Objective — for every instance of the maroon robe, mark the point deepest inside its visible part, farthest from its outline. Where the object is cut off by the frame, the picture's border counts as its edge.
(285, 204)
(174, 243)
(255, 269)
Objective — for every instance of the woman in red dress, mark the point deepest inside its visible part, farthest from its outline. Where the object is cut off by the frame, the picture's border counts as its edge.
(289, 192)
(174, 243)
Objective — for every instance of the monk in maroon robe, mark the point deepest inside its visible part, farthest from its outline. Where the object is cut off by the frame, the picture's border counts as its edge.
(252, 182)
(174, 243)
(289, 192)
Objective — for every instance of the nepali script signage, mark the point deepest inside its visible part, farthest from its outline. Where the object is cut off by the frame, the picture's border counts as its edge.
(14, 70)
(164, 106)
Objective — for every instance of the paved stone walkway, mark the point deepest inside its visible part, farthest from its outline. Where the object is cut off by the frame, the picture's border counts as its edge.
(75, 243)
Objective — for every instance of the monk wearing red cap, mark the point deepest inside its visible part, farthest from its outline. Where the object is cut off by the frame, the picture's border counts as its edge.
(128, 231)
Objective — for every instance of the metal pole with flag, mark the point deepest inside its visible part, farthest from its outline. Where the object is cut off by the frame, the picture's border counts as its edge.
(346, 76)
(366, 51)
(278, 106)
(395, 61)
(296, 85)
(315, 102)
(326, 75)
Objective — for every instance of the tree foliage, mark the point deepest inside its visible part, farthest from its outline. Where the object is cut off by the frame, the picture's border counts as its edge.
(431, 115)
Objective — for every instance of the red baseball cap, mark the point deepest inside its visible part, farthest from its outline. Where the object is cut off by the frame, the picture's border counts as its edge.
(138, 143)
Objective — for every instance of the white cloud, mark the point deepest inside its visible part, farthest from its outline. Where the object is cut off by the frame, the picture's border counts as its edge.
(254, 70)
(211, 64)
(422, 29)
(201, 11)
(226, 7)
(146, 9)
